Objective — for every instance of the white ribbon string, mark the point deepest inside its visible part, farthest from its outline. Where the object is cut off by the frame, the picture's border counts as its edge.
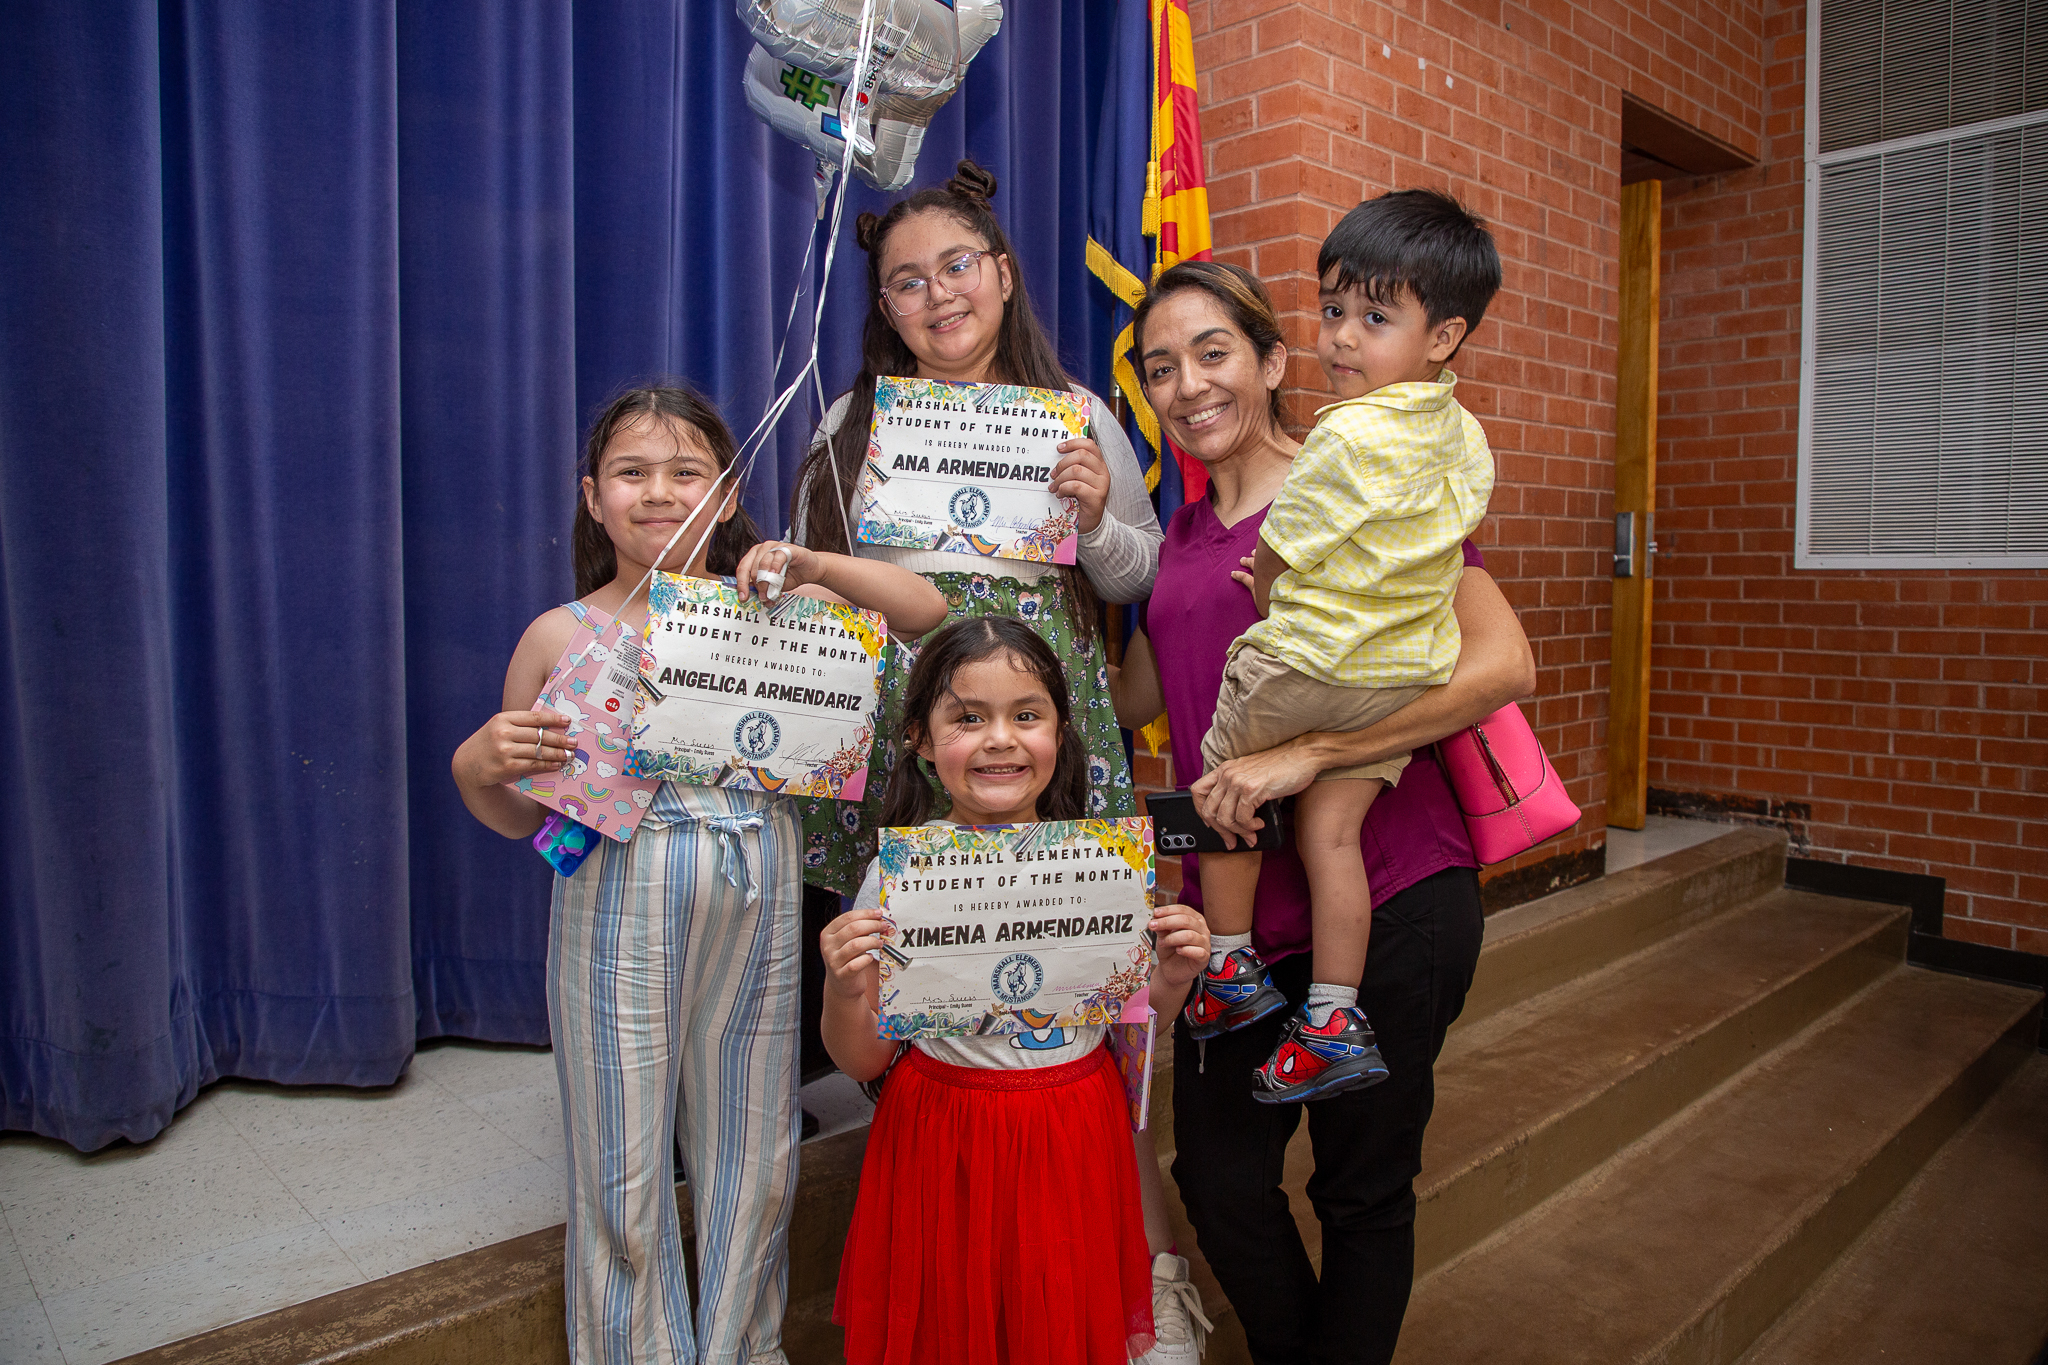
(732, 863)
(750, 449)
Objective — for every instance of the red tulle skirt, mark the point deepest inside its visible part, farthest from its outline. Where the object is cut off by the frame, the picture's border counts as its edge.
(998, 1221)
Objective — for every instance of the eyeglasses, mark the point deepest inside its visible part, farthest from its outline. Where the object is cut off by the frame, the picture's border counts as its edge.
(912, 295)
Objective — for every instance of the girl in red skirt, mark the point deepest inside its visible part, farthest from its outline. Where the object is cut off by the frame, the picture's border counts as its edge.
(999, 1220)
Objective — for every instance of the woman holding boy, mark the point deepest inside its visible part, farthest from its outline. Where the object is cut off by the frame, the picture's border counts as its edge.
(1212, 357)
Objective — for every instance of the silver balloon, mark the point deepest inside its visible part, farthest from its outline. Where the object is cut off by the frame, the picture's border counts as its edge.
(798, 77)
(820, 38)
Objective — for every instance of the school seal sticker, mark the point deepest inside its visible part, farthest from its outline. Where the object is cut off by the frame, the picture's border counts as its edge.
(756, 736)
(969, 508)
(1016, 979)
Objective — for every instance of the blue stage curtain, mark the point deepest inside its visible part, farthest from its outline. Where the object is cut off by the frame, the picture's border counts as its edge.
(302, 309)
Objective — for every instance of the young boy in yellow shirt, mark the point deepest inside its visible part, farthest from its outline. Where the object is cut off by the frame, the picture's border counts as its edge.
(1357, 563)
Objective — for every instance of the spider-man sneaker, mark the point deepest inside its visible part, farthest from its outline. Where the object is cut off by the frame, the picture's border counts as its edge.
(1313, 1063)
(1228, 997)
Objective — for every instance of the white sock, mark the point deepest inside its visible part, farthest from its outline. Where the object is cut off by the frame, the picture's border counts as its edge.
(1221, 944)
(1322, 999)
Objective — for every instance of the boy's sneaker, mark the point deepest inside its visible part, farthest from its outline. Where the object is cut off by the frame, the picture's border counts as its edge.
(1313, 1063)
(1180, 1329)
(1228, 997)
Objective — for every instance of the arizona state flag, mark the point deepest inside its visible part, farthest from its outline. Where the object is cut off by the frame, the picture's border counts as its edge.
(1182, 193)
(1148, 182)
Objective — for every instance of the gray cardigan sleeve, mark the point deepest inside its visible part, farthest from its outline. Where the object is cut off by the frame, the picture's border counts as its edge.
(1121, 555)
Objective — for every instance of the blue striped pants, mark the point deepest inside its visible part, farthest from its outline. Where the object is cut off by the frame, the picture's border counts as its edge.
(673, 973)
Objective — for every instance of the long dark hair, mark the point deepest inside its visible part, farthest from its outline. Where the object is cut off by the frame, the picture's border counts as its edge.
(912, 795)
(1024, 355)
(589, 547)
(1237, 292)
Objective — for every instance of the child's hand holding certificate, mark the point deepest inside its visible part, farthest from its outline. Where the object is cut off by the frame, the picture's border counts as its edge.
(967, 469)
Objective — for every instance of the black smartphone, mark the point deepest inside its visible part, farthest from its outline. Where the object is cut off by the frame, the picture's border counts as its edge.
(1177, 829)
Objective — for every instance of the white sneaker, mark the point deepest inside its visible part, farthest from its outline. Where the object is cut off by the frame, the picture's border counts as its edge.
(1177, 1320)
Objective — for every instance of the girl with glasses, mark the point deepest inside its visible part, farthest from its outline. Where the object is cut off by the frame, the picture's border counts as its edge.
(949, 303)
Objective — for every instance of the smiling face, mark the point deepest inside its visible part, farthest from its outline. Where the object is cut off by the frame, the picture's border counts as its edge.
(1366, 345)
(655, 475)
(1205, 378)
(955, 336)
(994, 739)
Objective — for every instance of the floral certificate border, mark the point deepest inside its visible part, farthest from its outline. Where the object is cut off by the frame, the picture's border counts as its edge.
(962, 469)
(781, 699)
(1014, 930)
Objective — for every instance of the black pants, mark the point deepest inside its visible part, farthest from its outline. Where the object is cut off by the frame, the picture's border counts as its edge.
(820, 908)
(1368, 1143)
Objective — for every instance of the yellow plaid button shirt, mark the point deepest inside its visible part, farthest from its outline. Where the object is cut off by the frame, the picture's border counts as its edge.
(1381, 498)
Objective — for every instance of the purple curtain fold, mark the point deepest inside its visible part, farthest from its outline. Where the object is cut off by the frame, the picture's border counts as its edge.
(302, 309)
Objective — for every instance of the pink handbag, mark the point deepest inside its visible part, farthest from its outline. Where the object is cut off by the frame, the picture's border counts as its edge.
(1510, 796)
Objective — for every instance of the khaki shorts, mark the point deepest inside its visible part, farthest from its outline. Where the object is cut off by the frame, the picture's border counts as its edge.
(1264, 703)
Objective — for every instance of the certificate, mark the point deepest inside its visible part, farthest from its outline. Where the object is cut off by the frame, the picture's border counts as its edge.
(964, 468)
(1009, 929)
(778, 699)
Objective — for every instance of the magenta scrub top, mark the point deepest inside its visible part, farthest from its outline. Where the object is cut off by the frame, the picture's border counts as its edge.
(1413, 830)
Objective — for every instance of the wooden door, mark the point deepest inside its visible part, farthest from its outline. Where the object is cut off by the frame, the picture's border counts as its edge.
(1635, 497)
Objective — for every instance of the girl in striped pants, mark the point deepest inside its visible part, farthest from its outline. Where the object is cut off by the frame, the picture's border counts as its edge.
(673, 959)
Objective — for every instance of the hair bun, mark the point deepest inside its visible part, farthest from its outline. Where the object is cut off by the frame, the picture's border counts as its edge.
(864, 231)
(973, 181)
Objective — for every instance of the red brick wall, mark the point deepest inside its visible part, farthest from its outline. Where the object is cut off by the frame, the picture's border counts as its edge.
(1890, 717)
(1308, 108)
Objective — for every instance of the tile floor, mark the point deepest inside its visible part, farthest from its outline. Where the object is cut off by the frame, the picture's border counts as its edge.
(259, 1196)
(1660, 834)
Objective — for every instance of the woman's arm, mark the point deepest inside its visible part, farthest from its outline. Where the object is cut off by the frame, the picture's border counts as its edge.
(517, 742)
(1494, 668)
(912, 605)
(1134, 688)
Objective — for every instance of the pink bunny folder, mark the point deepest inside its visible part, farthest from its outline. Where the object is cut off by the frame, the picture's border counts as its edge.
(596, 685)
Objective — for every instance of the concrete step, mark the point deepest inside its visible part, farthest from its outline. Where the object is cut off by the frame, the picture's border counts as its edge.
(1536, 1095)
(497, 1304)
(1955, 1272)
(1533, 960)
(1545, 943)
(1530, 950)
(503, 1305)
(1689, 1244)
